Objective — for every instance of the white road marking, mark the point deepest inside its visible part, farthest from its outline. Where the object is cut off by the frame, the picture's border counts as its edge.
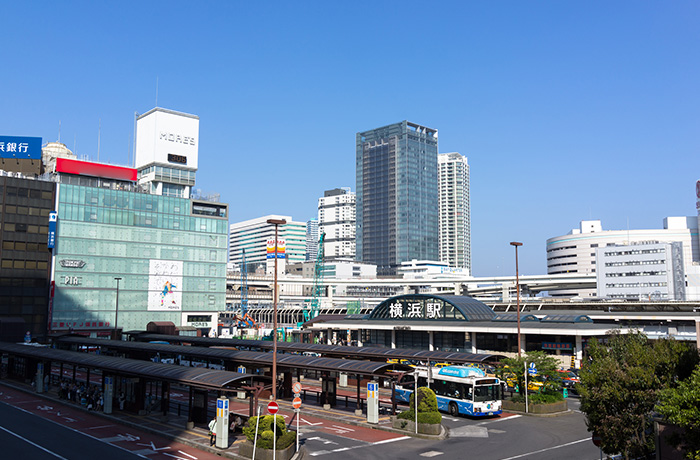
(32, 443)
(547, 449)
(342, 449)
(432, 453)
(499, 420)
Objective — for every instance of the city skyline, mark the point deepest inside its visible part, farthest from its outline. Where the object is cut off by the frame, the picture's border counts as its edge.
(565, 112)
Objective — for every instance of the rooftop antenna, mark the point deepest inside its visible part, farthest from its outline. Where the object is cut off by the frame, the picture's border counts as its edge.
(99, 131)
(136, 115)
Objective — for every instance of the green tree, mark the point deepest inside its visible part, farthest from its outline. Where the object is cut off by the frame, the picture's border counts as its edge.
(620, 387)
(681, 406)
(545, 364)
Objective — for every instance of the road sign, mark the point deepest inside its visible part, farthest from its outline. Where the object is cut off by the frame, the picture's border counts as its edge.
(532, 370)
(296, 388)
(296, 403)
(596, 439)
(273, 407)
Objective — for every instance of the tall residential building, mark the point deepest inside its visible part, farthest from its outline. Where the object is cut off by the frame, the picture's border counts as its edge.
(455, 221)
(311, 239)
(336, 218)
(397, 195)
(257, 237)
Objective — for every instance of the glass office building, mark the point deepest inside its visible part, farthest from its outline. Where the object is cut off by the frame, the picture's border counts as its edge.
(397, 195)
(160, 258)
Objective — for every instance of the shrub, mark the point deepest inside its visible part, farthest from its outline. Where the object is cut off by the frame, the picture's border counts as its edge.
(266, 434)
(427, 408)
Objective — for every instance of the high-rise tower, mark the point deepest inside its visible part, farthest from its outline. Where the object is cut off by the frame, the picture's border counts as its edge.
(397, 195)
(455, 221)
(336, 218)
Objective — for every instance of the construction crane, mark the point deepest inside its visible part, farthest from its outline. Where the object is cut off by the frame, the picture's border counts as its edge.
(244, 287)
(318, 288)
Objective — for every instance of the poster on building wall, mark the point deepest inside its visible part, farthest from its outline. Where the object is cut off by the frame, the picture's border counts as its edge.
(165, 285)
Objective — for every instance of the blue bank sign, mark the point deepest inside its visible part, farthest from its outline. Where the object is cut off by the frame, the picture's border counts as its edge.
(20, 147)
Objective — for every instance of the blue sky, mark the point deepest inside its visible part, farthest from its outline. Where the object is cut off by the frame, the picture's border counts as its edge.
(566, 110)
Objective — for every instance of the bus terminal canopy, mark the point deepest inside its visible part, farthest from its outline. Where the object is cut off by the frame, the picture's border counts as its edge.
(255, 358)
(197, 377)
(329, 350)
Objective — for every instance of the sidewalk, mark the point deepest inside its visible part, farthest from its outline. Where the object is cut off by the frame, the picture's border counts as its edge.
(174, 427)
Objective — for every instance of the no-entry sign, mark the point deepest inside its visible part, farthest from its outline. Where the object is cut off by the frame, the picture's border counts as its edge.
(296, 403)
(273, 407)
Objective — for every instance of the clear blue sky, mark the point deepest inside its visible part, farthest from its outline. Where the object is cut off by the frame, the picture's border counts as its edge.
(566, 110)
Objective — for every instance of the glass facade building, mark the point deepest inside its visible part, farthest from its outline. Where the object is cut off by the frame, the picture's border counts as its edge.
(169, 255)
(397, 195)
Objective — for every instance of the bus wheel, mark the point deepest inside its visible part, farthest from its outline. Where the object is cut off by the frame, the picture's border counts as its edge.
(453, 409)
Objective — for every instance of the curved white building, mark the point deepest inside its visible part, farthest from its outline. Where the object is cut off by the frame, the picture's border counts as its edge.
(575, 252)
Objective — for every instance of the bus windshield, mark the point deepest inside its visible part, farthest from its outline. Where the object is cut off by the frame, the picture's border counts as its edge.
(485, 393)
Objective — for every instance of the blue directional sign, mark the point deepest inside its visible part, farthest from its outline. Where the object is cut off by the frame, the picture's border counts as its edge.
(532, 370)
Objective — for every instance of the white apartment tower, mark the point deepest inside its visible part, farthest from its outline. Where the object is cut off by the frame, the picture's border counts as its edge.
(336, 218)
(454, 211)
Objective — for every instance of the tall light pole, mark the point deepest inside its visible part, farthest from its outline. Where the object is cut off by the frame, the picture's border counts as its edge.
(276, 223)
(116, 311)
(517, 289)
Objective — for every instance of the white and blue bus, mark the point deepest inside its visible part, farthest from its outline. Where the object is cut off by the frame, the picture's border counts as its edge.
(459, 390)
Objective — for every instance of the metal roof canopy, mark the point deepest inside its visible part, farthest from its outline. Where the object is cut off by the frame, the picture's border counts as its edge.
(240, 356)
(335, 350)
(194, 376)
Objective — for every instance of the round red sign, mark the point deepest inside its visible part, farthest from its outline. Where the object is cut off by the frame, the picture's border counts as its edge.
(596, 439)
(296, 403)
(273, 407)
(296, 388)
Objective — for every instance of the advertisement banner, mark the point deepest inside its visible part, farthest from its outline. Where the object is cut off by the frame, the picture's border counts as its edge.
(165, 285)
(53, 217)
(281, 248)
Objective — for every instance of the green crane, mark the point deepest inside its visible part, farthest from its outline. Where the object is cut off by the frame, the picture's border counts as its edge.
(318, 288)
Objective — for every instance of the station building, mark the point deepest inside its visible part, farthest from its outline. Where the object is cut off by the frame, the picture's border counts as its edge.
(461, 324)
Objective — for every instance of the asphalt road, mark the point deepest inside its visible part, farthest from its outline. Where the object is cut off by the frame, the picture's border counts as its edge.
(26, 436)
(511, 437)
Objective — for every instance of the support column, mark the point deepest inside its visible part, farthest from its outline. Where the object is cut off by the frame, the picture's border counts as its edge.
(579, 348)
(393, 338)
(473, 335)
(430, 340)
(359, 338)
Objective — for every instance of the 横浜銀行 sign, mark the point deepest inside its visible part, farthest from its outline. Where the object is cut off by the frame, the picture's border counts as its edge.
(20, 147)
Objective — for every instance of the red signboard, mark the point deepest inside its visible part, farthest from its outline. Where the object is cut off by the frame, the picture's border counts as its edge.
(87, 168)
(273, 407)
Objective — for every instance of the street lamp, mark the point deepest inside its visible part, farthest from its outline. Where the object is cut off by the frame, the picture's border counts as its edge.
(276, 223)
(517, 289)
(116, 311)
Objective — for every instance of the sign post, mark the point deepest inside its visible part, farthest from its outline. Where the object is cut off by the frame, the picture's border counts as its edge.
(373, 402)
(532, 370)
(222, 423)
(109, 394)
(273, 408)
(296, 404)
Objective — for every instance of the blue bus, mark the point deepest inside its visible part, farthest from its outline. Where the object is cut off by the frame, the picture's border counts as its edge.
(459, 390)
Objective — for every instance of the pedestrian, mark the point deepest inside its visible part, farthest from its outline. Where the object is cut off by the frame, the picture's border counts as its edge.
(235, 423)
(212, 432)
(121, 400)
